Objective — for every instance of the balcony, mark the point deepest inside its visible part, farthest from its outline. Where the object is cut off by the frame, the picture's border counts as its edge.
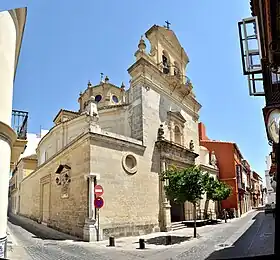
(19, 125)
(241, 185)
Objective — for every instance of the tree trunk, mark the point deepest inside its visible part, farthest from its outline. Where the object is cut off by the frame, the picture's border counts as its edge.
(194, 218)
(206, 205)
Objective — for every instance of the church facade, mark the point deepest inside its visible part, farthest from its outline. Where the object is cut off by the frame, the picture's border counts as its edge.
(122, 139)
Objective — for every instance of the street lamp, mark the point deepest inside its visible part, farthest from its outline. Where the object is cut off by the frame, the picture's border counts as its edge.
(273, 125)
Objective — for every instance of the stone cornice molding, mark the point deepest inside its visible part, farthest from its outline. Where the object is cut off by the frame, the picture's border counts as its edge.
(175, 152)
(113, 139)
(210, 168)
(8, 134)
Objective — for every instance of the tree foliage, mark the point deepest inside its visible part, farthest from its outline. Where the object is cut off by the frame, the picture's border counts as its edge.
(222, 191)
(184, 184)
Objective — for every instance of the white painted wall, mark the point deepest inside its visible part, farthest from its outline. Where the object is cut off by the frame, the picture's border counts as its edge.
(271, 195)
(33, 141)
(7, 65)
(10, 39)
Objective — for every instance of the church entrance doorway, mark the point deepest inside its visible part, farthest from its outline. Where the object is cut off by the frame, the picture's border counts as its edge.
(177, 212)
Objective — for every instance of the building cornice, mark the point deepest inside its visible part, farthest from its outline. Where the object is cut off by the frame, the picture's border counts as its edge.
(118, 140)
(209, 168)
(7, 133)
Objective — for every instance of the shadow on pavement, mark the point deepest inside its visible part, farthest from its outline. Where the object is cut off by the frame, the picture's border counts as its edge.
(39, 231)
(258, 240)
(163, 240)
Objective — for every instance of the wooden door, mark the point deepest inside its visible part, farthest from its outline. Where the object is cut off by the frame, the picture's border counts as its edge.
(45, 202)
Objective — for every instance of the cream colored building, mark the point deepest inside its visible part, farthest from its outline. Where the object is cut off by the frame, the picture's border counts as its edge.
(26, 165)
(11, 32)
(122, 139)
(271, 194)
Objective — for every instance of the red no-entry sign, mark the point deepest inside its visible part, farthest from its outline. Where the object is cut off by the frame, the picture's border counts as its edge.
(98, 190)
(98, 202)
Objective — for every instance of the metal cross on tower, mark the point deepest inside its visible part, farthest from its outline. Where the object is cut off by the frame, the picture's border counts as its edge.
(167, 24)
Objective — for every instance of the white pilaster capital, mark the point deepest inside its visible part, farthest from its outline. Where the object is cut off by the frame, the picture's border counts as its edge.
(92, 175)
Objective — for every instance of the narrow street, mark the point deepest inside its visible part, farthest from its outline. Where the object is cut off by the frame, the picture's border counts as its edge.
(250, 235)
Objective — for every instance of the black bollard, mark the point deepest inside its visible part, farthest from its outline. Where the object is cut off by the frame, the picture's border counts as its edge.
(168, 240)
(111, 241)
(141, 243)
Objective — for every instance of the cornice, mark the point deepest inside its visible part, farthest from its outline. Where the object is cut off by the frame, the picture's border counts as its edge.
(7, 133)
(175, 152)
(127, 142)
(209, 168)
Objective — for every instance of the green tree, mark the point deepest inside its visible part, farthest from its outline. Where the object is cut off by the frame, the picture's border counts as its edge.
(210, 186)
(215, 190)
(185, 185)
(222, 191)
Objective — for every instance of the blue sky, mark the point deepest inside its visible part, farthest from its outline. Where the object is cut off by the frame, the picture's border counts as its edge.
(67, 43)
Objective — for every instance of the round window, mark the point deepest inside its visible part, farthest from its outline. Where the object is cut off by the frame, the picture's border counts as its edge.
(98, 98)
(115, 99)
(129, 163)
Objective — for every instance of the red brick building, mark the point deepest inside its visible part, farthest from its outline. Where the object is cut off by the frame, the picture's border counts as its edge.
(229, 159)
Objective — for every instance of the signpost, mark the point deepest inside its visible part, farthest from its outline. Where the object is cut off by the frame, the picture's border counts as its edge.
(98, 204)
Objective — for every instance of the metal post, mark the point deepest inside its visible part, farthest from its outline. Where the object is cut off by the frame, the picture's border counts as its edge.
(98, 225)
(168, 240)
(111, 241)
(141, 243)
(277, 209)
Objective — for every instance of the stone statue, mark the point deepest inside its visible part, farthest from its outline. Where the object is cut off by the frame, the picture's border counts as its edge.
(191, 145)
(213, 159)
(92, 107)
(160, 133)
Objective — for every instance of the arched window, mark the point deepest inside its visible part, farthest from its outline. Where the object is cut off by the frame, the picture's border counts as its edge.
(176, 69)
(98, 98)
(177, 135)
(115, 99)
(165, 63)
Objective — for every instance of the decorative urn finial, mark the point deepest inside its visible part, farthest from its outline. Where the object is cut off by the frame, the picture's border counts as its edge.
(106, 79)
(89, 84)
(142, 44)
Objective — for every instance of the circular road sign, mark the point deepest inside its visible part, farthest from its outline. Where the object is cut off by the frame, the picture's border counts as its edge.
(98, 202)
(98, 190)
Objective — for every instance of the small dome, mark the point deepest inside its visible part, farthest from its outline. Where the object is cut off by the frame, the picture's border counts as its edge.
(204, 148)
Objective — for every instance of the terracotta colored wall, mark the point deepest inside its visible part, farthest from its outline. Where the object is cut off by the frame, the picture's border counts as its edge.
(225, 156)
(227, 159)
(202, 131)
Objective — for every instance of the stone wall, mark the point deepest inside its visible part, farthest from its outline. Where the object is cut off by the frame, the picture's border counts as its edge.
(130, 188)
(65, 214)
(60, 136)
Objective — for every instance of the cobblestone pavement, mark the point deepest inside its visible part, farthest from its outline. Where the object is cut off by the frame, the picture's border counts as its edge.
(253, 231)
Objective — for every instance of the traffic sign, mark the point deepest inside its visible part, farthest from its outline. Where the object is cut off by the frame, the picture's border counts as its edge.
(98, 190)
(98, 202)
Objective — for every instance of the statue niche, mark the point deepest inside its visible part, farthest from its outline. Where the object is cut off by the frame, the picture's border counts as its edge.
(63, 179)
